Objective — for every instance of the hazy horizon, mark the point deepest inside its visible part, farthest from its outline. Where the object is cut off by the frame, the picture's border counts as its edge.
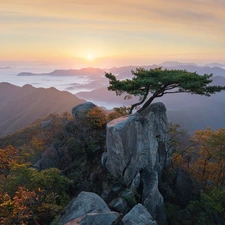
(74, 81)
(46, 67)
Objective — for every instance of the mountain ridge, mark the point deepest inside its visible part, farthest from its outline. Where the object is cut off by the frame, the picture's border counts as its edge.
(214, 68)
(20, 106)
(90, 71)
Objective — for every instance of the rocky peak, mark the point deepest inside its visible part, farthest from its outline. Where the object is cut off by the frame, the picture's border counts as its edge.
(137, 152)
(80, 111)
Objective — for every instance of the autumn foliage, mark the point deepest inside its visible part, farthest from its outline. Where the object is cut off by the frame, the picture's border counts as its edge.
(209, 167)
(204, 159)
(18, 209)
(28, 196)
(31, 196)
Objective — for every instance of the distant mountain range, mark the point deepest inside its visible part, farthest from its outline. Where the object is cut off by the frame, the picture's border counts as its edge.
(98, 80)
(191, 111)
(215, 68)
(215, 65)
(80, 72)
(124, 72)
(20, 106)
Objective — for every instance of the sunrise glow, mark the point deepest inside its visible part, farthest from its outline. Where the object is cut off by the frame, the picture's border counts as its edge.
(130, 32)
(90, 57)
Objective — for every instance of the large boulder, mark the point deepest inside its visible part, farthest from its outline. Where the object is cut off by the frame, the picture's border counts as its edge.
(138, 215)
(87, 208)
(137, 151)
(125, 202)
(81, 111)
(109, 218)
(53, 157)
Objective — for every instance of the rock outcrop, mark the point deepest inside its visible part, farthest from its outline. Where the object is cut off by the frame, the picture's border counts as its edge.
(136, 153)
(81, 111)
(87, 208)
(52, 158)
(138, 215)
(108, 218)
(57, 153)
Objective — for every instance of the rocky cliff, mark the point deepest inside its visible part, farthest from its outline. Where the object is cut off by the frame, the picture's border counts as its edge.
(136, 154)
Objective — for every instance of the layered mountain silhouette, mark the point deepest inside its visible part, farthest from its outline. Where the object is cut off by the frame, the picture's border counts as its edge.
(20, 106)
(125, 71)
(73, 72)
(191, 111)
(213, 68)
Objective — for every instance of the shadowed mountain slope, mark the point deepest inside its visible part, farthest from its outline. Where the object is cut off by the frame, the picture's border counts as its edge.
(20, 106)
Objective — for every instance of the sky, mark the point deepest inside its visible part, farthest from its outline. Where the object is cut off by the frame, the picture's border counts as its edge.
(104, 33)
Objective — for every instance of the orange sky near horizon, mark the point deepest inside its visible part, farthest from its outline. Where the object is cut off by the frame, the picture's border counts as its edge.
(120, 32)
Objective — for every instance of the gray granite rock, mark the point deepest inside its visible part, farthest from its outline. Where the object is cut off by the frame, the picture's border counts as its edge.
(136, 182)
(80, 111)
(108, 218)
(137, 144)
(138, 215)
(151, 197)
(85, 202)
(133, 143)
(119, 205)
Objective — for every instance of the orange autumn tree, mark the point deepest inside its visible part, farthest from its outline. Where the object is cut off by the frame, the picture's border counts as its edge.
(97, 117)
(209, 167)
(118, 112)
(29, 196)
(7, 157)
(18, 209)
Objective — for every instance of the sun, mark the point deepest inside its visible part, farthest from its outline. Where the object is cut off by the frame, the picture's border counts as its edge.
(90, 57)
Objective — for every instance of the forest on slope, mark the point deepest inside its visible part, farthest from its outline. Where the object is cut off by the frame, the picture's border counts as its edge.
(70, 151)
(30, 196)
